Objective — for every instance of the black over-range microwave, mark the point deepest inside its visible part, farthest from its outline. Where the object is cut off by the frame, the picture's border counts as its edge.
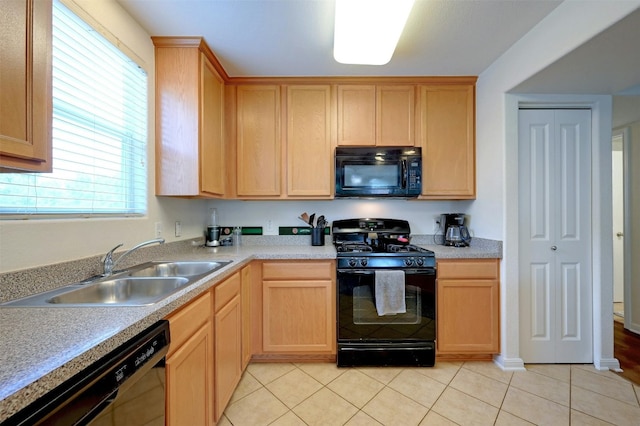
(378, 172)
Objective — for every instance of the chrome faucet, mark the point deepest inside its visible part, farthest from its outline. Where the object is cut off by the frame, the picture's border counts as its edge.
(109, 264)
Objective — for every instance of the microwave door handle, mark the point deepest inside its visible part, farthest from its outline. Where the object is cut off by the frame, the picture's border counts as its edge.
(404, 174)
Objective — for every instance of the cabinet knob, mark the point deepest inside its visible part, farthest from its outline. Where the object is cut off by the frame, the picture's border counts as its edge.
(619, 234)
(554, 248)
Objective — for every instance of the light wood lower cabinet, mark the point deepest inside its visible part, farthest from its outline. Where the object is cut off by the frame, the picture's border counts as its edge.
(189, 365)
(228, 340)
(468, 311)
(298, 308)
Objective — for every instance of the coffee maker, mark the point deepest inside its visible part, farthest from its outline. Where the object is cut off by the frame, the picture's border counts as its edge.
(454, 232)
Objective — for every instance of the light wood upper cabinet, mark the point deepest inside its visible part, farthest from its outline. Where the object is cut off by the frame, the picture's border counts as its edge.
(309, 146)
(448, 141)
(258, 156)
(189, 119)
(395, 115)
(25, 86)
(468, 306)
(382, 115)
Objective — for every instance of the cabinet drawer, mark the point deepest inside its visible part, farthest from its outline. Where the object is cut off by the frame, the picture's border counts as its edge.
(297, 270)
(227, 290)
(468, 268)
(184, 323)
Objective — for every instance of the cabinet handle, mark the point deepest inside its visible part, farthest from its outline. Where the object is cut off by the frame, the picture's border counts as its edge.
(554, 248)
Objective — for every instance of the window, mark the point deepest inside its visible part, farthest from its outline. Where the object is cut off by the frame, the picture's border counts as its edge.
(99, 131)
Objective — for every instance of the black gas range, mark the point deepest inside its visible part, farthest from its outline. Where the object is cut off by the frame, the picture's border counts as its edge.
(378, 243)
(376, 264)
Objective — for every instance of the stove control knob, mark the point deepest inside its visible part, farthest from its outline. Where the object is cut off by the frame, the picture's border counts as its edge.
(408, 261)
(353, 262)
(420, 261)
(363, 262)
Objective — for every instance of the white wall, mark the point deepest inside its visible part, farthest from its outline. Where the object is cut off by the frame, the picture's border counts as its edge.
(566, 28)
(29, 243)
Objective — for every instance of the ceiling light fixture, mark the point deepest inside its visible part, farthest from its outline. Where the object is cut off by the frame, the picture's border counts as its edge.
(367, 31)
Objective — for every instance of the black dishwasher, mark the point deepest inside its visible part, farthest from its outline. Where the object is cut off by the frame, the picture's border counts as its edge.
(125, 387)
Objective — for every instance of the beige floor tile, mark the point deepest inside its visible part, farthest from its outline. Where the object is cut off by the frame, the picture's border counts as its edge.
(247, 384)
(480, 386)
(256, 409)
(356, 387)
(323, 372)
(534, 408)
(464, 409)
(422, 389)
(289, 419)
(381, 374)
(294, 387)
(489, 369)
(442, 371)
(560, 372)
(604, 384)
(325, 408)
(542, 386)
(578, 418)
(267, 372)
(390, 407)
(604, 408)
(507, 419)
(434, 419)
(362, 419)
(224, 421)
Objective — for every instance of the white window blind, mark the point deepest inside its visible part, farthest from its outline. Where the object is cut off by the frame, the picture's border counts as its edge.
(99, 131)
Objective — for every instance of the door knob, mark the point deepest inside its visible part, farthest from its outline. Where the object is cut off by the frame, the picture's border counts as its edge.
(554, 248)
(619, 234)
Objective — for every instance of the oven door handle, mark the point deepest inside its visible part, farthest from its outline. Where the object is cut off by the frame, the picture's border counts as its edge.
(373, 271)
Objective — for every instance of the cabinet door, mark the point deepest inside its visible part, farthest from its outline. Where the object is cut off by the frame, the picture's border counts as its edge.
(258, 141)
(468, 307)
(212, 158)
(395, 115)
(189, 373)
(228, 352)
(245, 302)
(25, 85)
(356, 115)
(448, 142)
(298, 316)
(309, 147)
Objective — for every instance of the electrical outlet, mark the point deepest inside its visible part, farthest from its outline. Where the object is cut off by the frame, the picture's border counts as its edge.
(270, 225)
(178, 228)
(158, 229)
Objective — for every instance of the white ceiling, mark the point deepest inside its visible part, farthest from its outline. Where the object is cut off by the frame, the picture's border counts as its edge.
(295, 37)
(442, 37)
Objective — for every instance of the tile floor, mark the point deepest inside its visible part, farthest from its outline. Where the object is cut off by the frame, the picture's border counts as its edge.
(469, 393)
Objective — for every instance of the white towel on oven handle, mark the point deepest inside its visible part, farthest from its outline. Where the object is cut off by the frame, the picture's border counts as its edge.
(389, 292)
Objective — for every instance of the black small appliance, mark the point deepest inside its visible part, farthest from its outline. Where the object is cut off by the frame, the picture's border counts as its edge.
(454, 232)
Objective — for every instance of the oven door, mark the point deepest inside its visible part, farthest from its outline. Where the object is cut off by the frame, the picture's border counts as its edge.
(358, 319)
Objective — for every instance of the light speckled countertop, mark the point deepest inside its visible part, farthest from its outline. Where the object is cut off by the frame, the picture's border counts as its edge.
(42, 347)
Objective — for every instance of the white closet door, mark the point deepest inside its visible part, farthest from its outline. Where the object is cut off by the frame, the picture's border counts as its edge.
(555, 236)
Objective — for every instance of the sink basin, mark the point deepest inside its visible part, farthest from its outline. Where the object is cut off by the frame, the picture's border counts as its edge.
(140, 285)
(122, 291)
(176, 269)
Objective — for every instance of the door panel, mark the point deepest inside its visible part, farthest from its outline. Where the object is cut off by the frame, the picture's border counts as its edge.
(555, 248)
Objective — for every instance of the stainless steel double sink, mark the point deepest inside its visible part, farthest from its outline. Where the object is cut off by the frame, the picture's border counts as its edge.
(144, 284)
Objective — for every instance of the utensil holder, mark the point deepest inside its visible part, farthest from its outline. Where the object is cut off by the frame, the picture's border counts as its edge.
(317, 236)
